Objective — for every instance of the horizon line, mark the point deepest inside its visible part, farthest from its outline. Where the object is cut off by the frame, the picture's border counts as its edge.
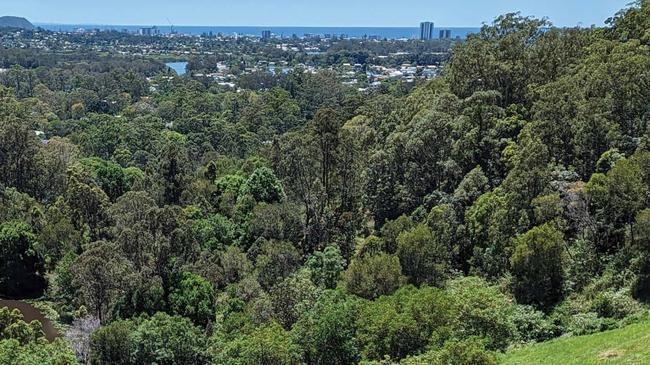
(161, 25)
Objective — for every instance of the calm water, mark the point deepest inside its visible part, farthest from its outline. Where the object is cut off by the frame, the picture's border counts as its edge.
(30, 313)
(179, 67)
(356, 32)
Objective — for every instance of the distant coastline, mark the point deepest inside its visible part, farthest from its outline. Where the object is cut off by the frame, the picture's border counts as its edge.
(353, 32)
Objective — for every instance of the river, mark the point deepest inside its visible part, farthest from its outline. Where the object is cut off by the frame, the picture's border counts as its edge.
(30, 313)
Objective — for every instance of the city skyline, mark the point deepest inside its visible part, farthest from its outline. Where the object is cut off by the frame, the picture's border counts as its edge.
(337, 13)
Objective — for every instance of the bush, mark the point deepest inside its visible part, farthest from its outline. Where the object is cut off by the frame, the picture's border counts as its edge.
(193, 297)
(537, 267)
(641, 285)
(483, 311)
(268, 345)
(583, 324)
(424, 258)
(263, 186)
(327, 331)
(13, 326)
(467, 352)
(276, 261)
(161, 339)
(532, 325)
(40, 352)
(326, 266)
(392, 229)
(293, 296)
(404, 323)
(373, 276)
(616, 305)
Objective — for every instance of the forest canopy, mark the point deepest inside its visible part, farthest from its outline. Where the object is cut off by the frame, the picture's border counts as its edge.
(168, 221)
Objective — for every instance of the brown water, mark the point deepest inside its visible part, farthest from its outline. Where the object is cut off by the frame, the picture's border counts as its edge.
(30, 313)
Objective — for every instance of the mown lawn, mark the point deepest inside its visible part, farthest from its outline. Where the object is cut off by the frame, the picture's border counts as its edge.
(629, 345)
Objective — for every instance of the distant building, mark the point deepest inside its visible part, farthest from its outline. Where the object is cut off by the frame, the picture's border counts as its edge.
(426, 31)
(266, 34)
(445, 34)
(149, 31)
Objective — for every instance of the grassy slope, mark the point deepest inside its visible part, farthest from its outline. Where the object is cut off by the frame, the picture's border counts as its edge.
(629, 345)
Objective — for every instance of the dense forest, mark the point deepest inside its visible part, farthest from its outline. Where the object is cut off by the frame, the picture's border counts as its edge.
(159, 220)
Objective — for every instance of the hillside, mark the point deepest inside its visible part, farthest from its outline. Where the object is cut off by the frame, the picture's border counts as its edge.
(15, 22)
(627, 345)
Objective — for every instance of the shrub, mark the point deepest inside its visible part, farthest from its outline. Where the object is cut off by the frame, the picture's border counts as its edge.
(532, 325)
(616, 305)
(161, 339)
(373, 276)
(327, 332)
(466, 352)
(264, 186)
(269, 345)
(404, 323)
(326, 266)
(483, 311)
(537, 267)
(193, 297)
(424, 258)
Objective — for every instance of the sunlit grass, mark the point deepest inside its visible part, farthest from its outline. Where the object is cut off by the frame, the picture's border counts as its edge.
(629, 345)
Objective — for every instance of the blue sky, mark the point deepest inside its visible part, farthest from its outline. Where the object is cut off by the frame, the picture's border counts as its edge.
(447, 13)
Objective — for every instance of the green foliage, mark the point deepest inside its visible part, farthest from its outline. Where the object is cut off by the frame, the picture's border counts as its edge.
(467, 352)
(631, 22)
(193, 297)
(276, 261)
(373, 276)
(13, 327)
(533, 325)
(101, 274)
(36, 353)
(21, 263)
(20, 165)
(404, 323)
(61, 280)
(392, 229)
(483, 312)
(269, 344)
(521, 174)
(24, 343)
(473, 185)
(109, 176)
(607, 161)
(423, 258)
(264, 186)
(88, 202)
(215, 231)
(144, 296)
(111, 345)
(537, 267)
(160, 339)
(291, 297)
(326, 266)
(58, 235)
(327, 332)
(487, 231)
(172, 167)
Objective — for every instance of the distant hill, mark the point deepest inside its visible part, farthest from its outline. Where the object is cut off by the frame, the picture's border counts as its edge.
(15, 22)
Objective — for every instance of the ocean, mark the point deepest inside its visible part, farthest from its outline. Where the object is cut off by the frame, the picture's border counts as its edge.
(354, 32)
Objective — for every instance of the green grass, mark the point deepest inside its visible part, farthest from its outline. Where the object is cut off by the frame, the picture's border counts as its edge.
(628, 345)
